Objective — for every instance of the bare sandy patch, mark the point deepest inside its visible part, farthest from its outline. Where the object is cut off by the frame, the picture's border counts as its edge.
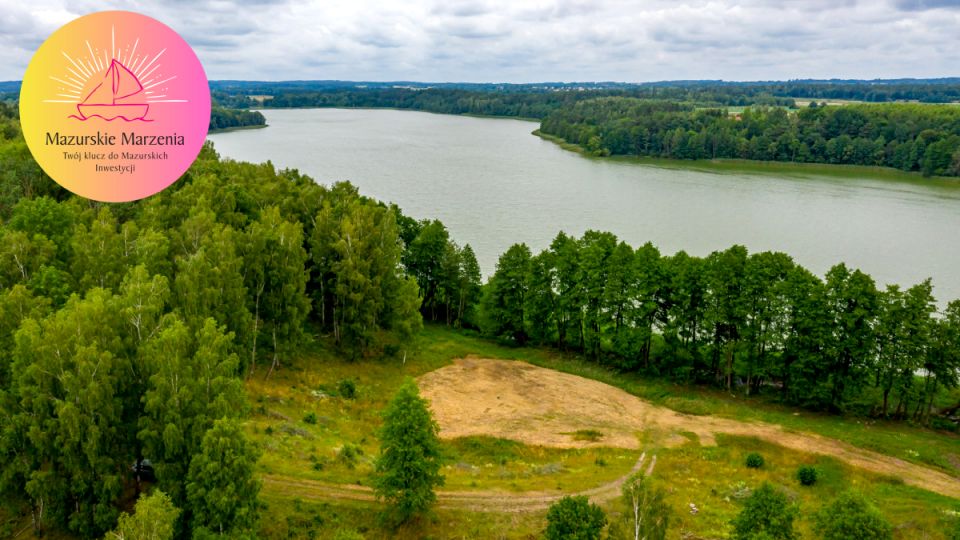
(537, 406)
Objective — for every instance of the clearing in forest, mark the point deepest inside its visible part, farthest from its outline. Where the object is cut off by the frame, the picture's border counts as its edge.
(537, 406)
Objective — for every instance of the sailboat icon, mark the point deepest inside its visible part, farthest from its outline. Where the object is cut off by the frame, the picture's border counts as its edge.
(116, 96)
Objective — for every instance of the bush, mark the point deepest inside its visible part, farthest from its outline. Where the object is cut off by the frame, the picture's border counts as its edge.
(766, 514)
(589, 435)
(754, 460)
(347, 389)
(807, 475)
(851, 517)
(575, 518)
(348, 454)
(310, 418)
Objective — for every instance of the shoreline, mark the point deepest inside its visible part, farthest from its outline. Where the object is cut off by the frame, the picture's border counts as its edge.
(471, 115)
(736, 165)
(719, 165)
(236, 128)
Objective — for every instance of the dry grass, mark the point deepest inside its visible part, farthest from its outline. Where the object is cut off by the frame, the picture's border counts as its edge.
(542, 407)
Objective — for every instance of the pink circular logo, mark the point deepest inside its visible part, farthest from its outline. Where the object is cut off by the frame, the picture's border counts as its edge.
(115, 106)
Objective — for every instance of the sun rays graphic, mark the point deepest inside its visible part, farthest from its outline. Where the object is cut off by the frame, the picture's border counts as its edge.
(112, 82)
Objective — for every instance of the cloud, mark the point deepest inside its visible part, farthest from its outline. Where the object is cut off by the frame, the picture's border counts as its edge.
(922, 5)
(532, 40)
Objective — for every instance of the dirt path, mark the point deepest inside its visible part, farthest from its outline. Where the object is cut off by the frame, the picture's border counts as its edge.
(538, 406)
(478, 501)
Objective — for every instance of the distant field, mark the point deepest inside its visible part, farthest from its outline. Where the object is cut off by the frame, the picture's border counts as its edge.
(805, 102)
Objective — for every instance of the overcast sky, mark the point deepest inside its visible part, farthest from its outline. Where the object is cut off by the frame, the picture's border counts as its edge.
(532, 40)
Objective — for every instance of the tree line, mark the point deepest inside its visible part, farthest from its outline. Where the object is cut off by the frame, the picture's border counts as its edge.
(224, 118)
(909, 137)
(746, 322)
(523, 101)
(537, 100)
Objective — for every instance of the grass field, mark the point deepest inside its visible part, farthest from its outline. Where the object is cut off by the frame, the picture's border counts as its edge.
(308, 430)
(314, 434)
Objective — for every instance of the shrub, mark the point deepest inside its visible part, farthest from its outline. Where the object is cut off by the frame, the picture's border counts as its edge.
(807, 475)
(310, 418)
(851, 517)
(955, 532)
(348, 454)
(347, 388)
(754, 460)
(766, 514)
(589, 435)
(575, 518)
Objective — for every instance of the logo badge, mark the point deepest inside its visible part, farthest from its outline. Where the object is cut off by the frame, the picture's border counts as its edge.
(115, 106)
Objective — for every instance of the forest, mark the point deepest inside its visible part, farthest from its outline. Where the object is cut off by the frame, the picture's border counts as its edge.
(222, 118)
(536, 100)
(909, 137)
(127, 330)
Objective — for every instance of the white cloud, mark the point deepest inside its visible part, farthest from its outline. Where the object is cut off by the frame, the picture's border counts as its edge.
(534, 40)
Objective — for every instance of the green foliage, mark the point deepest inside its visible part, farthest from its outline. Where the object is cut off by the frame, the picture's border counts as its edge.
(71, 380)
(539, 100)
(222, 118)
(851, 517)
(754, 460)
(276, 279)
(193, 383)
(310, 418)
(408, 468)
(349, 454)
(356, 254)
(574, 518)
(221, 485)
(645, 513)
(590, 435)
(505, 294)
(154, 518)
(347, 388)
(807, 475)
(910, 137)
(766, 514)
(748, 322)
(347, 534)
(954, 533)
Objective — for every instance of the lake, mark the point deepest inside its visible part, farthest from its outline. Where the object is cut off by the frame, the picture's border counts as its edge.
(494, 184)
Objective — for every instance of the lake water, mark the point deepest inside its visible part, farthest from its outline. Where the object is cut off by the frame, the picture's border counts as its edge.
(493, 184)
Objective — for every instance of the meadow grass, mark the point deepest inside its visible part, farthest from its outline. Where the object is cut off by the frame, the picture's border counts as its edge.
(716, 480)
(713, 478)
(899, 439)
